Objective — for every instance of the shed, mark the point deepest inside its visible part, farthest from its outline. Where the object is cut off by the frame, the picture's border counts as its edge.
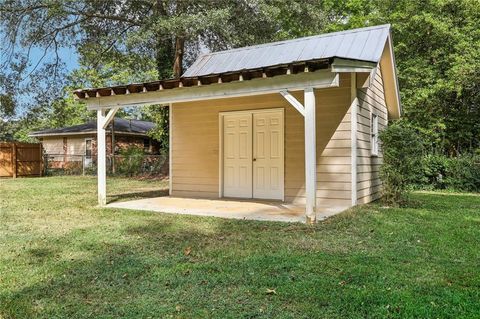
(294, 121)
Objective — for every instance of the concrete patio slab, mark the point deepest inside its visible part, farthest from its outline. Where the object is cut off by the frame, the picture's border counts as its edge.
(225, 208)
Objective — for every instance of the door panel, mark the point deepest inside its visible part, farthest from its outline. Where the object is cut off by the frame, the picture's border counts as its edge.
(237, 158)
(268, 155)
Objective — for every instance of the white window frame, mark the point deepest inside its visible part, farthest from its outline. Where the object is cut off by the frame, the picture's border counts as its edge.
(374, 143)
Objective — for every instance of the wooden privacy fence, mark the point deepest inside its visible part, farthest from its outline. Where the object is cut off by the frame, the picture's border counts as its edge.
(20, 159)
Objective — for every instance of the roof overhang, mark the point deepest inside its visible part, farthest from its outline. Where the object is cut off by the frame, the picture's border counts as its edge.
(390, 80)
(322, 78)
(345, 65)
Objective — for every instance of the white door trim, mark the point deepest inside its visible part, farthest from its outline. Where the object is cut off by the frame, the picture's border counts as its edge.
(221, 116)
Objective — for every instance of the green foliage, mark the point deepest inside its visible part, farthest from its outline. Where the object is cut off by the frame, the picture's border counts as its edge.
(461, 173)
(401, 161)
(433, 172)
(130, 161)
(158, 115)
(437, 48)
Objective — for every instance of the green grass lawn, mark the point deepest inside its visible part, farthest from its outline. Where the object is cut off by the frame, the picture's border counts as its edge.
(62, 257)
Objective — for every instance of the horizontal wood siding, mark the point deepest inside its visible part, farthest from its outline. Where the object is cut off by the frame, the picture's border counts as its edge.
(53, 145)
(76, 145)
(195, 145)
(371, 100)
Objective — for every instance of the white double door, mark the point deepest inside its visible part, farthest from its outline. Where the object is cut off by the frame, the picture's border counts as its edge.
(253, 154)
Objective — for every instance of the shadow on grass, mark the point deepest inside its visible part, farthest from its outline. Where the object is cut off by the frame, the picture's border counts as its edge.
(137, 195)
(148, 271)
(444, 201)
(163, 266)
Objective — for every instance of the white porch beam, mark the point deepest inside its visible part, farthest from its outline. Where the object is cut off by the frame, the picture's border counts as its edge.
(297, 82)
(109, 117)
(353, 135)
(310, 156)
(101, 159)
(293, 101)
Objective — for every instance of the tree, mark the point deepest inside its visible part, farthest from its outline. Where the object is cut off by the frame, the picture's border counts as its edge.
(437, 46)
(139, 40)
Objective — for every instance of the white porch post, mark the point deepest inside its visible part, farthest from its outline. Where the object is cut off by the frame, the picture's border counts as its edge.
(310, 156)
(101, 159)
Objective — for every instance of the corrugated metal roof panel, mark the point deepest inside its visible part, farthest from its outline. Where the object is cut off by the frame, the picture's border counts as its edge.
(364, 44)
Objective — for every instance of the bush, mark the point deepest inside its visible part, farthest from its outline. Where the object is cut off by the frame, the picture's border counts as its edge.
(402, 150)
(130, 162)
(433, 172)
(460, 173)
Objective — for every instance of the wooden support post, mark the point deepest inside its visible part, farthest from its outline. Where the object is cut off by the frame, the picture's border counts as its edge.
(112, 146)
(14, 160)
(40, 149)
(101, 159)
(310, 156)
(353, 136)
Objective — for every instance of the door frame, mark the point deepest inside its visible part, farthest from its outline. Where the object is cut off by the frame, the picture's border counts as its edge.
(85, 151)
(221, 116)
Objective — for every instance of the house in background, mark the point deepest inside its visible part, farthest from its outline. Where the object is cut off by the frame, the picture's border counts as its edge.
(291, 122)
(79, 142)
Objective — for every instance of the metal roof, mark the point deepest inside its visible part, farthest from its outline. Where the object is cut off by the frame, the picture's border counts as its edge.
(120, 126)
(365, 44)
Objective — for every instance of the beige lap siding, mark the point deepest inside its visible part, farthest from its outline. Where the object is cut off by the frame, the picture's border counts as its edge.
(53, 145)
(195, 145)
(371, 99)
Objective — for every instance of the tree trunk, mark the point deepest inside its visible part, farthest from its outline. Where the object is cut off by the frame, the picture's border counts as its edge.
(164, 57)
(164, 47)
(179, 51)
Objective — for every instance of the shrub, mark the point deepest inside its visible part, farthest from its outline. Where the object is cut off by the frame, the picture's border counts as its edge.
(402, 150)
(433, 172)
(462, 173)
(130, 161)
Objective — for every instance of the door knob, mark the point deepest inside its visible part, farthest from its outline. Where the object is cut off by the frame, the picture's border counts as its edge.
(254, 159)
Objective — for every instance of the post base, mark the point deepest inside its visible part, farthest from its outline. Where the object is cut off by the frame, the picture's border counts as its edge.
(310, 220)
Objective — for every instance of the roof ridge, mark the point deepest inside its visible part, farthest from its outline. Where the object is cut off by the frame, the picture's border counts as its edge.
(322, 35)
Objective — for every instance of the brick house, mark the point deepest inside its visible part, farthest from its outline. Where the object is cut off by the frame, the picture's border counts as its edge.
(79, 142)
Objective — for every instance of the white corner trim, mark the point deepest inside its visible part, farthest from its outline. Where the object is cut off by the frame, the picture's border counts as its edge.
(170, 179)
(310, 156)
(353, 136)
(220, 154)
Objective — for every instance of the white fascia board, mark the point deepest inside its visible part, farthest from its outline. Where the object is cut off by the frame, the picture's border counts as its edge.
(394, 65)
(293, 82)
(343, 65)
